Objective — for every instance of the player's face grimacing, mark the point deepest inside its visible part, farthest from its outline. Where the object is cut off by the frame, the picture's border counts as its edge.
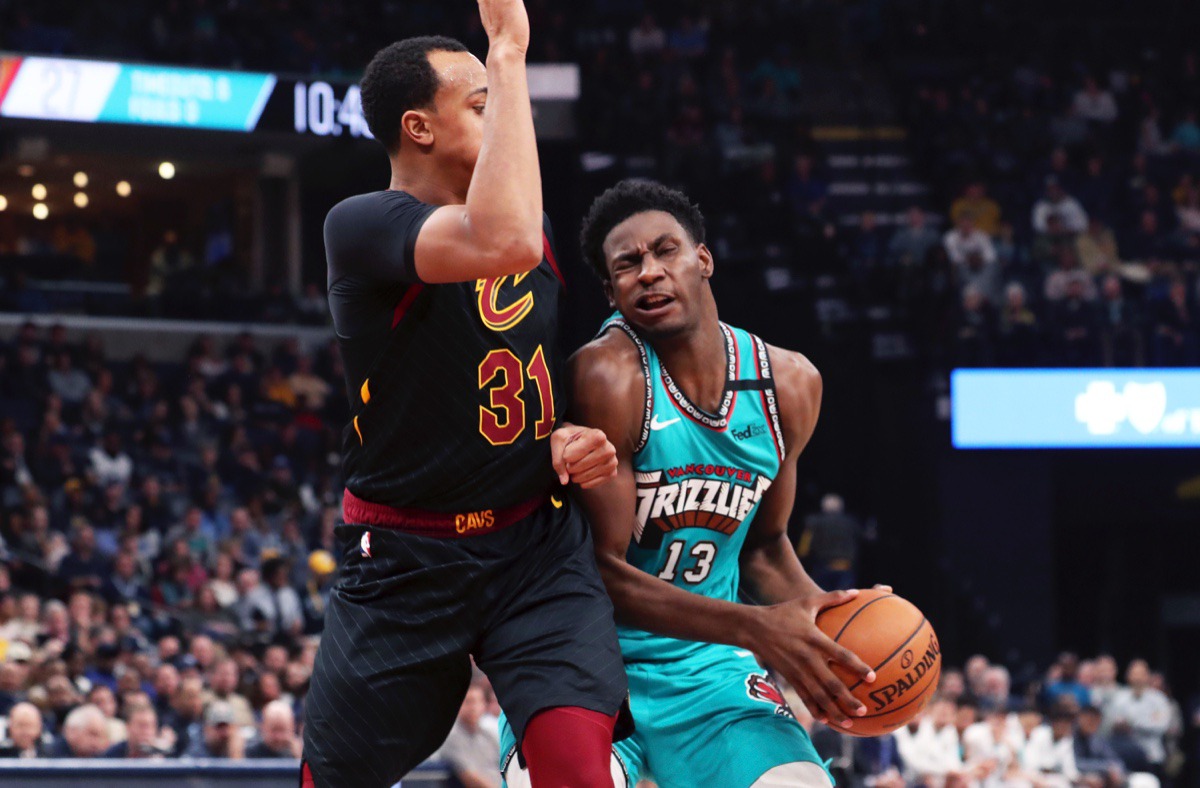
(656, 273)
(456, 122)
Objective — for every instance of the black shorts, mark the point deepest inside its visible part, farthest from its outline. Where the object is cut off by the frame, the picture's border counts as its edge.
(394, 663)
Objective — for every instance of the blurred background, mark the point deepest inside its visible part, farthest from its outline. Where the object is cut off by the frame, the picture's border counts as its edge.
(907, 191)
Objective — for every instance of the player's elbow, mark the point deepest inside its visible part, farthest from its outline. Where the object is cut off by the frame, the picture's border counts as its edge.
(515, 254)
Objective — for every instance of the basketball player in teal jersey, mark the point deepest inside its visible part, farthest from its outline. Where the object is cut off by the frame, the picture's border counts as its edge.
(708, 422)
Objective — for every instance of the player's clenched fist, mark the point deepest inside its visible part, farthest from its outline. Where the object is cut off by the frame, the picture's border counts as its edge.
(582, 455)
(505, 22)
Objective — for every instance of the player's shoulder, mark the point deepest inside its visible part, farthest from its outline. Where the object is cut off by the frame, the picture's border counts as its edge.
(797, 385)
(369, 204)
(611, 359)
(793, 369)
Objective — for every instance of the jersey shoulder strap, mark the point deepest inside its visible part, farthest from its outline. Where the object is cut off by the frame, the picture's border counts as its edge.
(764, 383)
(643, 355)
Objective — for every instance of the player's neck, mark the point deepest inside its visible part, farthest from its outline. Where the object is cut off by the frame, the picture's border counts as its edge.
(696, 361)
(423, 179)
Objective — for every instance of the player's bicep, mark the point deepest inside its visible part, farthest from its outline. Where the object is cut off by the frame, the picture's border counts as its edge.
(611, 509)
(449, 249)
(607, 394)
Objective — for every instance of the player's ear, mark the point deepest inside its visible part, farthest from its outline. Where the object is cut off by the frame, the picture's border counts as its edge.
(414, 125)
(608, 293)
(706, 261)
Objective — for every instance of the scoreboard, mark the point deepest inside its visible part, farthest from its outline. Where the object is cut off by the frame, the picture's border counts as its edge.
(93, 91)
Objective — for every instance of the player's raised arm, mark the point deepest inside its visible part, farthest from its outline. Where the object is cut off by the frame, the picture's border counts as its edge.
(499, 229)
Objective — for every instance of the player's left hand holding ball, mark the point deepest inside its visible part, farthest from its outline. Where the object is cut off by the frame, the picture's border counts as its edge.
(582, 455)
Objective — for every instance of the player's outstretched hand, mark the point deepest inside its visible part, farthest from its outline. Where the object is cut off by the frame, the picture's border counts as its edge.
(505, 22)
(790, 642)
(582, 455)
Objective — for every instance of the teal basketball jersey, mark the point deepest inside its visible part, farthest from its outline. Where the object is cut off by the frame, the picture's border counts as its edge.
(700, 479)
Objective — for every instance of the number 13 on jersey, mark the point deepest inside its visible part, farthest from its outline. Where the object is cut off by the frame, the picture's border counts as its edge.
(502, 375)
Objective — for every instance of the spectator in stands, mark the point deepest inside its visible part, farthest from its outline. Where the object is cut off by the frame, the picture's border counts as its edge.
(966, 238)
(992, 744)
(277, 735)
(471, 749)
(1095, 104)
(804, 187)
(1050, 751)
(997, 688)
(1121, 346)
(1105, 685)
(952, 685)
(221, 737)
(1076, 335)
(1175, 328)
(142, 724)
(1097, 191)
(983, 209)
(223, 680)
(186, 712)
(84, 567)
(24, 733)
(868, 245)
(307, 386)
(1147, 241)
(829, 545)
(1019, 337)
(84, 734)
(647, 38)
(1186, 136)
(911, 243)
(1094, 754)
(976, 331)
(1146, 713)
(983, 275)
(1058, 203)
(929, 745)
(1066, 274)
(1097, 248)
(109, 462)
(66, 381)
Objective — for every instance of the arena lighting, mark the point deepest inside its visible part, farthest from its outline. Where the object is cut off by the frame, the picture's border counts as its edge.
(25, 170)
(1075, 408)
(123, 188)
(38, 191)
(81, 200)
(40, 211)
(166, 170)
(3, 202)
(81, 180)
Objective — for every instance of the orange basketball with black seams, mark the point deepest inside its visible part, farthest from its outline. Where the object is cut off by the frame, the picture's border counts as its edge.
(891, 635)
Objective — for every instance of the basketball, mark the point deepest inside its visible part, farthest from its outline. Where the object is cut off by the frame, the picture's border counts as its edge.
(892, 636)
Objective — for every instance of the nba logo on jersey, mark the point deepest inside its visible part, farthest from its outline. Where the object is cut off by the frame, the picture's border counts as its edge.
(364, 544)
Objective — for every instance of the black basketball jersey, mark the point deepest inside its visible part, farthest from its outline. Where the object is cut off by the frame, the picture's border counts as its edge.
(454, 388)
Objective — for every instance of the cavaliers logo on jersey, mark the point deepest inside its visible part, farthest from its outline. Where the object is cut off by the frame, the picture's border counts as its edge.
(502, 318)
(760, 687)
(716, 497)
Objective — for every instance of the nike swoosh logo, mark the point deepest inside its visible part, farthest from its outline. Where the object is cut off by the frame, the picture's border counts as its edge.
(557, 503)
(741, 653)
(657, 425)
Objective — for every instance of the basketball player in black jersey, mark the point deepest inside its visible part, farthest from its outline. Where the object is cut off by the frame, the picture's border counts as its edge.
(458, 545)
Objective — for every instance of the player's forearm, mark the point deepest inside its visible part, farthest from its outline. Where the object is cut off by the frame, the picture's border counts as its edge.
(644, 601)
(775, 574)
(504, 201)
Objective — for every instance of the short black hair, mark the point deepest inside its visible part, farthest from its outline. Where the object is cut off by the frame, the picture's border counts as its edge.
(628, 198)
(400, 78)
